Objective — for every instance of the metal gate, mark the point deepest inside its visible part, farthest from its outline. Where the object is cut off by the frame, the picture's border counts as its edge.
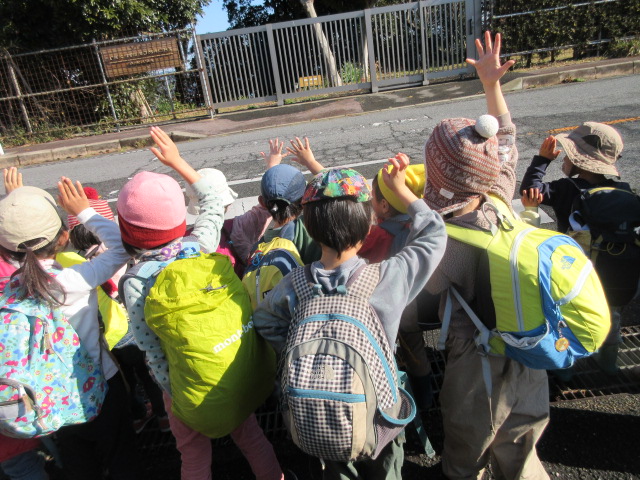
(368, 50)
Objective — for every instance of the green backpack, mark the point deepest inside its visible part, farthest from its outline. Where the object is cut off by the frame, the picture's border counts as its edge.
(550, 308)
(220, 369)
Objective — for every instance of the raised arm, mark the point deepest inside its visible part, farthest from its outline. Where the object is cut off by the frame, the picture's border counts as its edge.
(167, 152)
(490, 72)
(302, 154)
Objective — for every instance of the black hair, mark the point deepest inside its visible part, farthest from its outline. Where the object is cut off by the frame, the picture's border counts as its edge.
(35, 282)
(375, 188)
(82, 238)
(136, 251)
(282, 211)
(338, 223)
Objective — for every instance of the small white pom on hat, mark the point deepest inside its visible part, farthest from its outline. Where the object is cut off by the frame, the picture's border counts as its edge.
(487, 126)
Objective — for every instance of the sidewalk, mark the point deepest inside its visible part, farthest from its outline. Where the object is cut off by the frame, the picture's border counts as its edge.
(254, 119)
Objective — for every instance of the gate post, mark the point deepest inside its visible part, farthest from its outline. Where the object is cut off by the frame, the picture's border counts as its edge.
(106, 85)
(372, 56)
(204, 77)
(474, 28)
(423, 42)
(274, 65)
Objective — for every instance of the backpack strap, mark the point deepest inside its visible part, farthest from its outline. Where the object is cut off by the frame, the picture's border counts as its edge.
(481, 339)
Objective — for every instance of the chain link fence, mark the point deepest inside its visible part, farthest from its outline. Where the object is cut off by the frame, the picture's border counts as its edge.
(99, 87)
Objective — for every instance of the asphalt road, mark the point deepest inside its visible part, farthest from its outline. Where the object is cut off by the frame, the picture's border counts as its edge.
(365, 141)
(587, 439)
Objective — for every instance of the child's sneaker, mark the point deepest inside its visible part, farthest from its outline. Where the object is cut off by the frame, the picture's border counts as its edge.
(163, 424)
(140, 423)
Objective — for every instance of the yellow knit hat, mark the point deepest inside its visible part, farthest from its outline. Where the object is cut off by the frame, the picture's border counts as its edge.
(414, 179)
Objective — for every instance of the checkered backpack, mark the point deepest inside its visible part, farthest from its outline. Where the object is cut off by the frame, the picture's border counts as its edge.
(339, 379)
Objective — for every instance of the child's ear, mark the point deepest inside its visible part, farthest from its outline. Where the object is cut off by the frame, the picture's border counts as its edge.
(261, 201)
(63, 240)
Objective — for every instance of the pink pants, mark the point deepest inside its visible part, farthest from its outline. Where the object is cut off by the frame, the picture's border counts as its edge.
(195, 449)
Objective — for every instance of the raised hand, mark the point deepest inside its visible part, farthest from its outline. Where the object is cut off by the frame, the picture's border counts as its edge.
(531, 197)
(303, 155)
(165, 150)
(275, 153)
(12, 179)
(72, 197)
(395, 177)
(548, 148)
(488, 64)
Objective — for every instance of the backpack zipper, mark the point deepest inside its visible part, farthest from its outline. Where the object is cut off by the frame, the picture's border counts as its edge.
(326, 395)
(515, 279)
(372, 340)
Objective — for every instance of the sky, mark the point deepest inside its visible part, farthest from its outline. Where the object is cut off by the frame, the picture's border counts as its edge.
(213, 20)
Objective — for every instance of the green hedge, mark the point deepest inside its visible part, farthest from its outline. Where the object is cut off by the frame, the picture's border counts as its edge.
(576, 25)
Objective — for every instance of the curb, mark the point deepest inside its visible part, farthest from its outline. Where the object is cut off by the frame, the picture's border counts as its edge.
(89, 149)
(578, 74)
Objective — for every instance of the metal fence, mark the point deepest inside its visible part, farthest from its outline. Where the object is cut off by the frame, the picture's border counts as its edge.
(365, 50)
(100, 86)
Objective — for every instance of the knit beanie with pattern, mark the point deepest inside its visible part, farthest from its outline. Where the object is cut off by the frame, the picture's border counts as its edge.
(461, 164)
(151, 210)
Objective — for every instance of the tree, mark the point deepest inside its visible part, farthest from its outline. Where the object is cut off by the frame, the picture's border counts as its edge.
(242, 13)
(29, 25)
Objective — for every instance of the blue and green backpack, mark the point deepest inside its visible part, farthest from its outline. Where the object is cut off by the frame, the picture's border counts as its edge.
(550, 307)
(48, 380)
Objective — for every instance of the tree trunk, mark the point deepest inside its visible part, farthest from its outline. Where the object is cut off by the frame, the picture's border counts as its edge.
(334, 76)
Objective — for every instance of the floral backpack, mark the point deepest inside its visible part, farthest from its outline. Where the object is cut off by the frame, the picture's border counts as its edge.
(47, 378)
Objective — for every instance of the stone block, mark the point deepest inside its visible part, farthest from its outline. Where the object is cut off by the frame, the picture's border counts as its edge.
(33, 158)
(9, 160)
(73, 151)
(103, 147)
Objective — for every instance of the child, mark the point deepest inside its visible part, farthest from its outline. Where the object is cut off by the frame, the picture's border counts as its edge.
(152, 217)
(19, 458)
(462, 167)
(281, 190)
(384, 240)
(591, 152)
(337, 213)
(31, 233)
(116, 324)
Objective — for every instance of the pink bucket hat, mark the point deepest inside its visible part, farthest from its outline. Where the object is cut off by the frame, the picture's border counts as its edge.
(461, 164)
(151, 210)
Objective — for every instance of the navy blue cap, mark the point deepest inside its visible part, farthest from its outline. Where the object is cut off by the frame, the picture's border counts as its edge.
(283, 182)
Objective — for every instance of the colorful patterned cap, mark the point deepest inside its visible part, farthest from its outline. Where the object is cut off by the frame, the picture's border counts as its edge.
(337, 183)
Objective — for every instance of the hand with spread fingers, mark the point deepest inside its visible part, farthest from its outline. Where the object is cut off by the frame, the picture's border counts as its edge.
(71, 196)
(12, 179)
(275, 153)
(302, 154)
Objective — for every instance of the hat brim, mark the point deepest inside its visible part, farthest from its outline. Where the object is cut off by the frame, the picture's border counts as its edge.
(583, 161)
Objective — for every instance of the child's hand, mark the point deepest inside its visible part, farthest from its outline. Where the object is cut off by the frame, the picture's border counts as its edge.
(303, 155)
(12, 179)
(531, 197)
(488, 65)
(275, 153)
(166, 151)
(72, 197)
(548, 148)
(395, 179)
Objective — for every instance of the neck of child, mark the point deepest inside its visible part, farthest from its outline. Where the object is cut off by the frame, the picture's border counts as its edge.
(330, 259)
